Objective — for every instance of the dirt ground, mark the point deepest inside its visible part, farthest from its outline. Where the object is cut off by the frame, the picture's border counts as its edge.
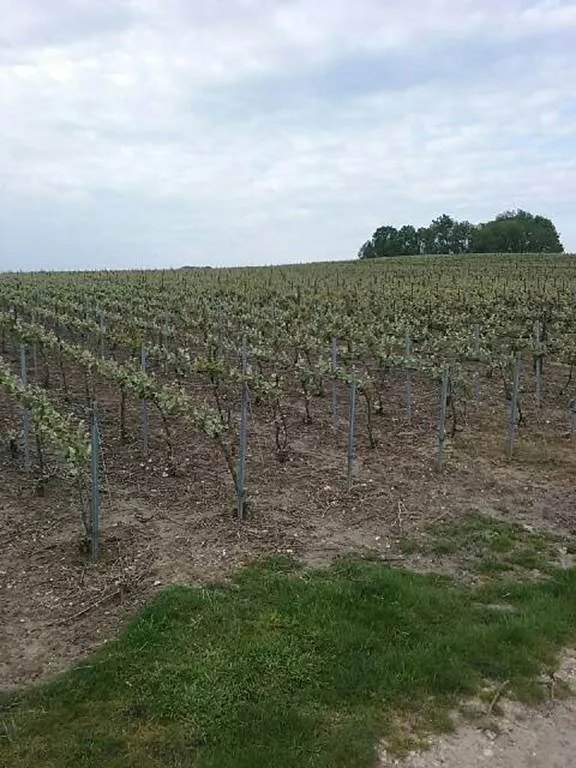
(522, 737)
(166, 521)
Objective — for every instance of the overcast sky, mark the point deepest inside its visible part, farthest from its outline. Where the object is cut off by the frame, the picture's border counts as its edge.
(138, 133)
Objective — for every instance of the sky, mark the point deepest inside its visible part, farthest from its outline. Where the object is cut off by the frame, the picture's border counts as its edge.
(162, 133)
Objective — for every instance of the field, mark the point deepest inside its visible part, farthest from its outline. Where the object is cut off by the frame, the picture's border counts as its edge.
(169, 427)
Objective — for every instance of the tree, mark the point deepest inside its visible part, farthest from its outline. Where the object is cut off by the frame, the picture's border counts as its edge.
(539, 232)
(440, 236)
(408, 240)
(384, 242)
(517, 232)
(446, 235)
(424, 239)
(367, 251)
(462, 235)
(510, 232)
(499, 236)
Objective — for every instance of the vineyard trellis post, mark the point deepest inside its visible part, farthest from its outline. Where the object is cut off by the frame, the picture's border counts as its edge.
(243, 435)
(94, 484)
(164, 340)
(441, 431)
(102, 334)
(351, 431)
(538, 362)
(513, 420)
(335, 383)
(477, 366)
(34, 352)
(143, 407)
(25, 412)
(165, 330)
(408, 389)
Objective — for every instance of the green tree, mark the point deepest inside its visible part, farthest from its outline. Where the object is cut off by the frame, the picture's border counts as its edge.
(510, 232)
(440, 234)
(499, 236)
(425, 239)
(446, 235)
(384, 242)
(462, 235)
(408, 240)
(517, 232)
(367, 251)
(540, 234)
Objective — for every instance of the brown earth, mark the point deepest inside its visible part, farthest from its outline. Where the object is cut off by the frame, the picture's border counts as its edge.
(170, 519)
(521, 737)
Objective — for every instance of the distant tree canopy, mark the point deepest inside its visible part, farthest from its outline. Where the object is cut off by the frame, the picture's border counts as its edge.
(510, 232)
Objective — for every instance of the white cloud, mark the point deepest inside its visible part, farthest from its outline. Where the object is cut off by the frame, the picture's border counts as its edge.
(257, 130)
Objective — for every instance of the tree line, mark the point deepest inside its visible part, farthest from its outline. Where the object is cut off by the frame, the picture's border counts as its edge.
(510, 232)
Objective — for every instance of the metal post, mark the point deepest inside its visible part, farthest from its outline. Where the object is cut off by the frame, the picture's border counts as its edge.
(143, 408)
(514, 406)
(441, 434)
(34, 352)
(335, 383)
(351, 432)
(165, 329)
(243, 437)
(477, 370)
(25, 412)
(102, 335)
(538, 362)
(95, 484)
(408, 392)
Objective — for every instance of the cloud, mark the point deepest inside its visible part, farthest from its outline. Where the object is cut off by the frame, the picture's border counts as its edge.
(154, 132)
(35, 23)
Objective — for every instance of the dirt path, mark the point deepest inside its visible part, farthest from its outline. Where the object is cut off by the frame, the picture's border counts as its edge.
(544, 737)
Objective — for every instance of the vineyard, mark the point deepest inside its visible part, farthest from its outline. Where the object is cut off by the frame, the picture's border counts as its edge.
(164, 426)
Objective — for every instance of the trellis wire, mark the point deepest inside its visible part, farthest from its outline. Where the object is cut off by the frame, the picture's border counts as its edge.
(95, 484)
(408, 390)
(351, 431)
(143, 408)
(335, 383)
(243, 436)
(25, 412)
(441, 431)
(514, 406)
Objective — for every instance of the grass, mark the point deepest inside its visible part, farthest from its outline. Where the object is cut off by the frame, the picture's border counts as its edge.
(288, 667)
(489, 546)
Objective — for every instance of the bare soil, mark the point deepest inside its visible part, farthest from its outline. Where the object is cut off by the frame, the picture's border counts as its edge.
(169, 518)
(521, 737)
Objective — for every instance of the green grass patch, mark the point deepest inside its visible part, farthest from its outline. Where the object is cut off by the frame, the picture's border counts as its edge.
(289, 668)
(490, 546)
